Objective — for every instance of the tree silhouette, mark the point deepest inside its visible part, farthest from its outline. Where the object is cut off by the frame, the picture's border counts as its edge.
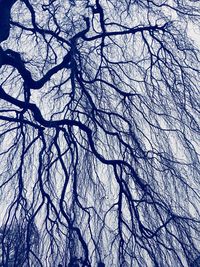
(99, 133)
(16, 242)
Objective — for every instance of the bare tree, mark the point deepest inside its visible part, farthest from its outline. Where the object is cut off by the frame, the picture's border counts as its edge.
(99, 131)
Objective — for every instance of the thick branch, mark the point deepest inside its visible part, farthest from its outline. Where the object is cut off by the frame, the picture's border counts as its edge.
(5, 7)
(13, 59)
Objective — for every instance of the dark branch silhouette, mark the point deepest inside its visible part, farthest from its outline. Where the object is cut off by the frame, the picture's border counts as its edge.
(5, 8)
(99, 133)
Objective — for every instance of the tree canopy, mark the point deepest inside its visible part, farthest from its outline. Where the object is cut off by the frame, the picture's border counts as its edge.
(99, 131)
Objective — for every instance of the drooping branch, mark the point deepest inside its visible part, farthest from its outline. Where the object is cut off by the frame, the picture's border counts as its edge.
(101, 151)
